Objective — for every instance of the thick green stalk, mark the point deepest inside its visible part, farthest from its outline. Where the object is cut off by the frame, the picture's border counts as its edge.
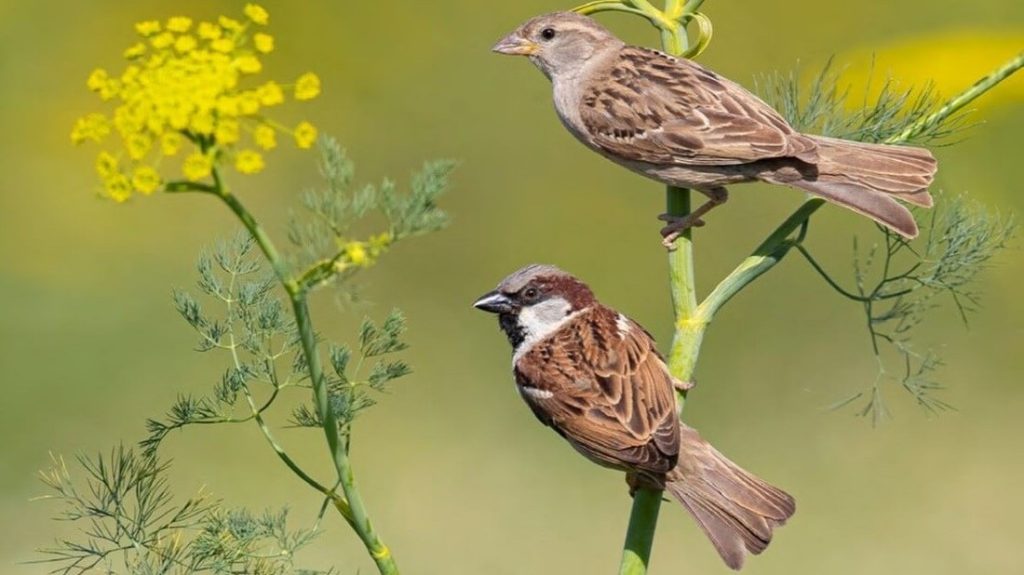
(639, 541)
(351, 507)
(691, 319)
(380, 552)
(643, 518)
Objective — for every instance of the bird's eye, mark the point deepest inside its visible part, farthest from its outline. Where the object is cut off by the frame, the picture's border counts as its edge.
(547, 33)
(530, 294)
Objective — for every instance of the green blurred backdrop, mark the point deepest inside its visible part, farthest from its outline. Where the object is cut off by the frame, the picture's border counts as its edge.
(458, 475)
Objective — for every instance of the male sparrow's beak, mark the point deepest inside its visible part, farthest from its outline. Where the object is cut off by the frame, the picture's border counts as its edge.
(494, 302)
(515, 45)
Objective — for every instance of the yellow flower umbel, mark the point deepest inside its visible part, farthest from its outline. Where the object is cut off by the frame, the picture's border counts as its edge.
(190, 82)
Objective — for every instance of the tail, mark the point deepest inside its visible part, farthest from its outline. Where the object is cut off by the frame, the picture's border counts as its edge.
(736, 510)
(869, 178)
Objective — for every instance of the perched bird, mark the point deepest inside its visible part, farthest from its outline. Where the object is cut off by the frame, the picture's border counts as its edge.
(594, 376)
(676, 122)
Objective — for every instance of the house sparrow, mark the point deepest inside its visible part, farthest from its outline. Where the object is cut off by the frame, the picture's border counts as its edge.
(594, 376)
(676, 122)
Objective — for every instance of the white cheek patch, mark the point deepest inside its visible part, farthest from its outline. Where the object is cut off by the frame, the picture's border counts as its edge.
(622, 323)
(541, 320)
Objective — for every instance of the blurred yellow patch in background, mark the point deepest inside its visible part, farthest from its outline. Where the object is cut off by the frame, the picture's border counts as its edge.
(950, 61)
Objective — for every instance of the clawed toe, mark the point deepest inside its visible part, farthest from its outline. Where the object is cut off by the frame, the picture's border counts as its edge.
(684, 386)
(677, 225)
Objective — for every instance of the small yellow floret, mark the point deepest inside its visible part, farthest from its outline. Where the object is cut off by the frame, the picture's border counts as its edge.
(356, 253)
(197, 166)
(270, 94)
(307, 86)
(248, 104)
(203, 123)
(257, 14)
(179, 24)
(162, 40)
(208, 31)
(106, 165)
(136, 51)
(265, 137)
(305, 135)
(223, 45)
(185, 44)
(145, 179)
(170, 143)
(229, 24)
(147, 28)
(93, 127)
(249, 162)
(228, 132)
(264, 43)
(138, 145)
(118, 187)
(248, 64)
(97, 79)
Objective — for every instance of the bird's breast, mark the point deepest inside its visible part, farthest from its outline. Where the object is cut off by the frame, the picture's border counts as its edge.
(567, 96)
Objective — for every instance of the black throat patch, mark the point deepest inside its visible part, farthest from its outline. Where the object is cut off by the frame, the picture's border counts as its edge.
(510, 325)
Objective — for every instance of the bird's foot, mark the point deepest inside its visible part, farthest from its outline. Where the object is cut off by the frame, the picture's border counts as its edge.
(676, 226)
(637, 481)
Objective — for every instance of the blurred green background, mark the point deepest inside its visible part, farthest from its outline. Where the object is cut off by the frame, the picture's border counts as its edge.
(458, 475)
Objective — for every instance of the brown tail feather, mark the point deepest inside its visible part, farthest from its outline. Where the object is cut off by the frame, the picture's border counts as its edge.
(866, 178)
(736, 510)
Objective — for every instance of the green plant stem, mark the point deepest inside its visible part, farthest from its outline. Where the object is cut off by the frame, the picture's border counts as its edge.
(958, 102)
(643, 517)
(351, 507)
(803, 213)
(691, 318)
(338, 444)
(639, 541)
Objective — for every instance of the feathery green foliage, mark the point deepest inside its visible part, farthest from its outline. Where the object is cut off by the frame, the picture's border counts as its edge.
(349, 389)
(131, 523)
(322, 232)
(897, 282)
(270, 346)
(825, 106)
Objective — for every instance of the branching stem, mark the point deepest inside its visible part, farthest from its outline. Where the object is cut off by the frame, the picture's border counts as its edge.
(350, 506)
(691, 318)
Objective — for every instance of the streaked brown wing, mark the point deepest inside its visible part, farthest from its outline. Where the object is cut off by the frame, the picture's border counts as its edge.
(651, 107)
(606, 391)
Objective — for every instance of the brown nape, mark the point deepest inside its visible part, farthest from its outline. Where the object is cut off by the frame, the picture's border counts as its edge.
(573, 290)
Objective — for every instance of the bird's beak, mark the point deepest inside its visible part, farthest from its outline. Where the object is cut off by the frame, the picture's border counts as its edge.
(494, 302)
(515, 45)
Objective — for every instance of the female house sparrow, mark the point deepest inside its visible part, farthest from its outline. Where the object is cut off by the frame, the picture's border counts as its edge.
(594, 376)
(681, 124)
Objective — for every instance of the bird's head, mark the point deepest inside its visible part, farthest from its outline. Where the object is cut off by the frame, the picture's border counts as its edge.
(560, 43)
(535, 301)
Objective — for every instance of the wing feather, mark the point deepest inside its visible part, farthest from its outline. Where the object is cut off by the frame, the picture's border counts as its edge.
(651, 107)
(606, 390)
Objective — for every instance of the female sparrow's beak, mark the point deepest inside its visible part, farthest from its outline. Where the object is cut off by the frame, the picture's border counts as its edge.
(494, 302)
(515, 45)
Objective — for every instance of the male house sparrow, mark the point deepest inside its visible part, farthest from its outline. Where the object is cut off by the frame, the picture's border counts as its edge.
(676, 122)
(594, 376)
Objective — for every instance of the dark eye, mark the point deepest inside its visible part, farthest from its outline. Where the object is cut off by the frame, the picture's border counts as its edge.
(547, 33)
(530, 294)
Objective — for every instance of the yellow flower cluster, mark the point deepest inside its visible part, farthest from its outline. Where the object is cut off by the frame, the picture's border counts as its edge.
(188, 91)
(361, 254)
